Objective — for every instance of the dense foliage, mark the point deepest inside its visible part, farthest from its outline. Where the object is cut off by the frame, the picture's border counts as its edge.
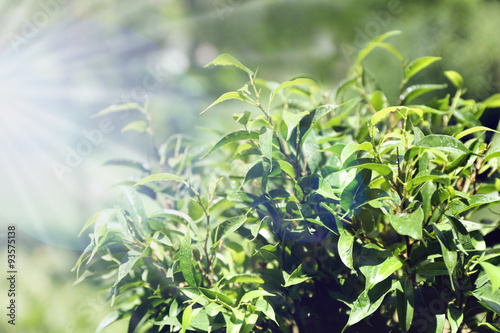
(328, 211)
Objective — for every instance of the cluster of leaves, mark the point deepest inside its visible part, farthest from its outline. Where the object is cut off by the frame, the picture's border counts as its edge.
(333, 210)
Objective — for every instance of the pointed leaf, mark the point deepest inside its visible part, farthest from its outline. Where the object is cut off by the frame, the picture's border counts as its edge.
(292, 120)
(492, 101)
(227, 227)
(127, 264)
(473, 130)
(354, 194)
(455, 317)
(476, 201)
(185, 261)
(409, 224)
(297, 276)
(369, 164)
(266, 308)
(405, 304)
(345, 245)
(255, 294)
(414, 91)
(488, 297)
(287, 168)
(118, 108)
(159, 177)
(455, 78)
(296, 82)
(443, 143)
(233, 137)
(108, 320)
(227, 96)
(137, 126)
(266, 142)
(367, 303)
(217, 296)
(418, 64)
(377, 264)
(228, 60)
(376, 42)
(449, 254)
(493, 273)
(136, 209)
(382, 114)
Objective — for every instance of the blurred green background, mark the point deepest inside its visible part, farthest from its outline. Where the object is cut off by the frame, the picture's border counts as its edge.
(63, 61)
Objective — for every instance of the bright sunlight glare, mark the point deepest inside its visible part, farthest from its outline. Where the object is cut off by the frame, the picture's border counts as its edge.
(51, 84)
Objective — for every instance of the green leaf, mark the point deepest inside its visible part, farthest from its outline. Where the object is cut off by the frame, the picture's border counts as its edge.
(405, 304)
(455, 317)
(376, 42)
(473, 130)
(89, 222)
(491, 153)
(493, 273)
(128, 263)
(228, 60)
(433, 269)
(118, 108)
(227, 227)
(266, 142)
(243, 117)
(292, 120)
(449, 253)
(492, 101)
(136, 209)
(297, 276)
(243, 278)
(128, 163)
(345, 245)
(171, 214)
(476, 201)
(488, 297)
(188, 316)
(250, 320)
(382, 114)
(296, 82)
(217, 296)
(414, 91)
(353, 147)
(185, 261)
(108, 320)
(378, 100)
(316, 115)
(455, 78)
(266, 308)
(367, 303)
(443, 143)
(251, 295)
(354, 194)
(138, 126)
(428, 175)
(440, 320)
(408, 224)
(287, 168)
(227, 96)
(377, 264)
(369, 164)
(234, 137)
(418, 64)
(490, 326)
(159, 177)
(236, 321)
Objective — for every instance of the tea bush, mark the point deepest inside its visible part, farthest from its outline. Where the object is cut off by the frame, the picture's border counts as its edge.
(328, 210)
